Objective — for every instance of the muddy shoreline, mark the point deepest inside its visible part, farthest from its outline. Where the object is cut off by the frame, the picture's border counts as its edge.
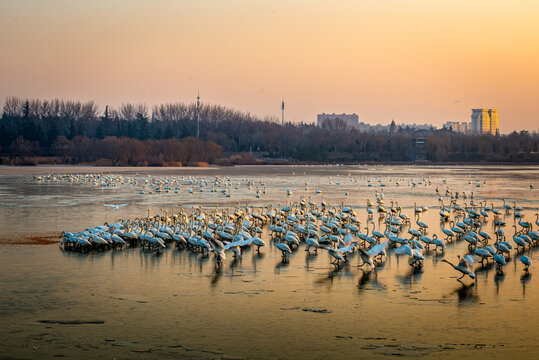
(48, 238)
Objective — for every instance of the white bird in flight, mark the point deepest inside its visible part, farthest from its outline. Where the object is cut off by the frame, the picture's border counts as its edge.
(116, 207)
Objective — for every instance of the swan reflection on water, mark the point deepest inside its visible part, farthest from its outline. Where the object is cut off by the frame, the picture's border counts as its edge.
(256, 258)
(217, 275)
(235, 263)
(310, 257)
(412, 276)
(524, 279)
(336, 272)
(282, 264)
(484, 270)
(466, 293)
(369, 281)
(498, 280)
(367, 276)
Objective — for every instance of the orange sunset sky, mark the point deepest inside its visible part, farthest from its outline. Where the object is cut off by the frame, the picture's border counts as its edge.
(414, 61)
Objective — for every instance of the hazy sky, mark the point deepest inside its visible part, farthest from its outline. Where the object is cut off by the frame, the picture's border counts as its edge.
(413, 61)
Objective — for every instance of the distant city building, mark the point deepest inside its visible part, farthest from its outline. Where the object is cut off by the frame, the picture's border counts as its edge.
(458, 127)
(485, 121)
(419, 149)
(425, 127)
(494, 129)
(338, 120)
(368, 128)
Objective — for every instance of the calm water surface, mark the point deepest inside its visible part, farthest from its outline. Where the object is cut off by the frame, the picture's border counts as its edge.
(178, 305)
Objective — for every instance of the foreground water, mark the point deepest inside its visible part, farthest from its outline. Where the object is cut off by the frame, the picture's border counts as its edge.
(134, 304)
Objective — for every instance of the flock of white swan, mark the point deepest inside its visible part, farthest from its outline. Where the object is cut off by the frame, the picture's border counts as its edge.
(223, 185)
(336, 229)
(158, 184)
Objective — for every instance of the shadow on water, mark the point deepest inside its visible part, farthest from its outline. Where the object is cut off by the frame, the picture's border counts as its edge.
(466, 293)
(412, 276)
(310, 257)
(369, 281)
(202, 261)
(498, 280)
(235, 263)
(217, 275)
(149, 258)
(524, 279)
(192, 259)
(84, 254)
(257, 257)
(434, 254)
(329, 276)
(365, 278)
(483, 272)
(282, 264)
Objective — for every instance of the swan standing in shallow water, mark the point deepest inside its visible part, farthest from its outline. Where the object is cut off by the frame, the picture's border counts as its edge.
(336, 255)
(312, 242)
(526, 261)
(284, 249)
(259, 243)
(500, 262)
(338, 228)
(438, 242)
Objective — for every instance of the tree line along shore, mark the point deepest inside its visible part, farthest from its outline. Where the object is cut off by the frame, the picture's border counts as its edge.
(34, 131)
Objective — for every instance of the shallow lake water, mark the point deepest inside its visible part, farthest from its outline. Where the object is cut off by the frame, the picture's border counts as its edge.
(136, 304)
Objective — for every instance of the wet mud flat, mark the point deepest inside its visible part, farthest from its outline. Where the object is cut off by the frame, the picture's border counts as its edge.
(132, 304)
(23, 238)
(89, 339)
(47, 345)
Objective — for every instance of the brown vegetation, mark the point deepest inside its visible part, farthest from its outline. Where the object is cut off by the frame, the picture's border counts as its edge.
(29, 239)
(113, 151)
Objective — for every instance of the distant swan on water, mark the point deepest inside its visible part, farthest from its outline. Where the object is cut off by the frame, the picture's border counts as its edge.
(116, 207)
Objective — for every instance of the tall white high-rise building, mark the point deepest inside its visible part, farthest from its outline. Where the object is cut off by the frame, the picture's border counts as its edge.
(493, 121)
(485, 121)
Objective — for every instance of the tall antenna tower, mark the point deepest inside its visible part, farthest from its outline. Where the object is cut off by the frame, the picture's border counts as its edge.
(282, 116)
(198, 115)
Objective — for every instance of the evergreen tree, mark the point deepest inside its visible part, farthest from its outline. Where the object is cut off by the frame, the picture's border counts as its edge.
(99, 131)
(52, 133)
(106, 124)
(142, 127)
(6, 136)
(72, 131)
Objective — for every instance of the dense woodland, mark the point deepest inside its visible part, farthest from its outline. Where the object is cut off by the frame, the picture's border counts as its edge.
(133, 134)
